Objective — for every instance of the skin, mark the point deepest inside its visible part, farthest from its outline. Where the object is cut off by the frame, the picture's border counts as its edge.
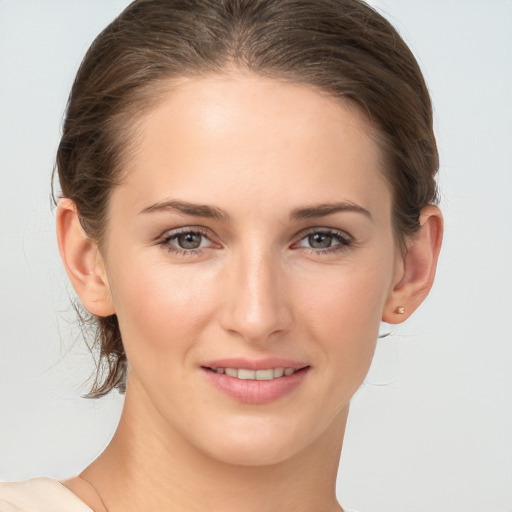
(258, 286)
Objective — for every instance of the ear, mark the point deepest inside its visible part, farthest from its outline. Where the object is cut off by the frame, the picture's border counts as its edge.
(416, 272)
(83, 261)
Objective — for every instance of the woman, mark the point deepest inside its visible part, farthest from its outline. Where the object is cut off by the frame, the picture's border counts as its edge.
(247, 192)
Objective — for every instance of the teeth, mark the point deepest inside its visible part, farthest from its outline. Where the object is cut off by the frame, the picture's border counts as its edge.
(278, 372)
(264, 374)
(232, 372)
(244, 374)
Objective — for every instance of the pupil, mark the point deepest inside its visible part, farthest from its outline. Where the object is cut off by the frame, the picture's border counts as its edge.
(189, 240)
(320, 241)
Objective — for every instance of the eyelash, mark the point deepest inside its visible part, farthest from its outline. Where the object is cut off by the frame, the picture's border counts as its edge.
(344, 242)
(167, 245)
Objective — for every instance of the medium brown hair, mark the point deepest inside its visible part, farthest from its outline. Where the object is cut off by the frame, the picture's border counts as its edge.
(342, 47)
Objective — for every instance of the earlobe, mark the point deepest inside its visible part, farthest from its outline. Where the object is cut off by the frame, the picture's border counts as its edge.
(83, 261)
(418, 268)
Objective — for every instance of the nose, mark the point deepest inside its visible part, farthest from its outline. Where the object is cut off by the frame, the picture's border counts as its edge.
(256, 305)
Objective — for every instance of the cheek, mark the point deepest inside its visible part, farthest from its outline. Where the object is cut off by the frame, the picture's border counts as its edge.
(161, 310)
(348, 296)
(345, 316)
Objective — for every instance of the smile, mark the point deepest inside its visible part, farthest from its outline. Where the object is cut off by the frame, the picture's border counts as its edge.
(256, 381)
(246, 374)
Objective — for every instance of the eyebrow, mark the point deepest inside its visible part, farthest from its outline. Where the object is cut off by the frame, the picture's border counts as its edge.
(212, 212)
(325, 209)
(197, 210)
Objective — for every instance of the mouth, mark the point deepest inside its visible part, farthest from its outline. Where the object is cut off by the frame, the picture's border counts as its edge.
(256, 382)
(248, 374)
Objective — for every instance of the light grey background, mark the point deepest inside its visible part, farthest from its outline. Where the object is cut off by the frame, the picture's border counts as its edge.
(432, 427)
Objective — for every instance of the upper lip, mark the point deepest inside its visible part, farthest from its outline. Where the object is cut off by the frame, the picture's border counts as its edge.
(255, 364)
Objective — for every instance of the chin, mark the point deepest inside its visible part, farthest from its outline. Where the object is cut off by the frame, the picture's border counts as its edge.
(258, 442)
(254, 454)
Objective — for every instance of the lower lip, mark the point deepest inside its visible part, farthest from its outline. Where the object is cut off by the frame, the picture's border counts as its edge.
(256, 391)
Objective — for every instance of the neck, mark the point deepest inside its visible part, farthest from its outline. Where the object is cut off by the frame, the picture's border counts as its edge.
(148, 466)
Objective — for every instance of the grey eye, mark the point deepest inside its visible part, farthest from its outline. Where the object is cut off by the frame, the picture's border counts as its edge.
(189, 240)
(320, 240)
(325, 241)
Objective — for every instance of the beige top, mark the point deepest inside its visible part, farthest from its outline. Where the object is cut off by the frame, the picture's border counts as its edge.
(42, 494)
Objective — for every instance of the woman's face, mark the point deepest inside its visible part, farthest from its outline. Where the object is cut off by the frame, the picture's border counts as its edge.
(251, 238)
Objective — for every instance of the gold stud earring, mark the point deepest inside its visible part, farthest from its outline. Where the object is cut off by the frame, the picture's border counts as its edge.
(400, 310)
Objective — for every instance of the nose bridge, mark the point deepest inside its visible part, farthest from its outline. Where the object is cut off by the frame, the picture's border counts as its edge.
(256, 306)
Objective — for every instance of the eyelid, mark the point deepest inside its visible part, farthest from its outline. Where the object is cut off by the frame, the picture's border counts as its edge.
(164, 240)
(345, 239)
(324, 230)
(171, 233)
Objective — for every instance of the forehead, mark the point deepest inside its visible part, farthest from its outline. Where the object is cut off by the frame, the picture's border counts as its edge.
(215, 138)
